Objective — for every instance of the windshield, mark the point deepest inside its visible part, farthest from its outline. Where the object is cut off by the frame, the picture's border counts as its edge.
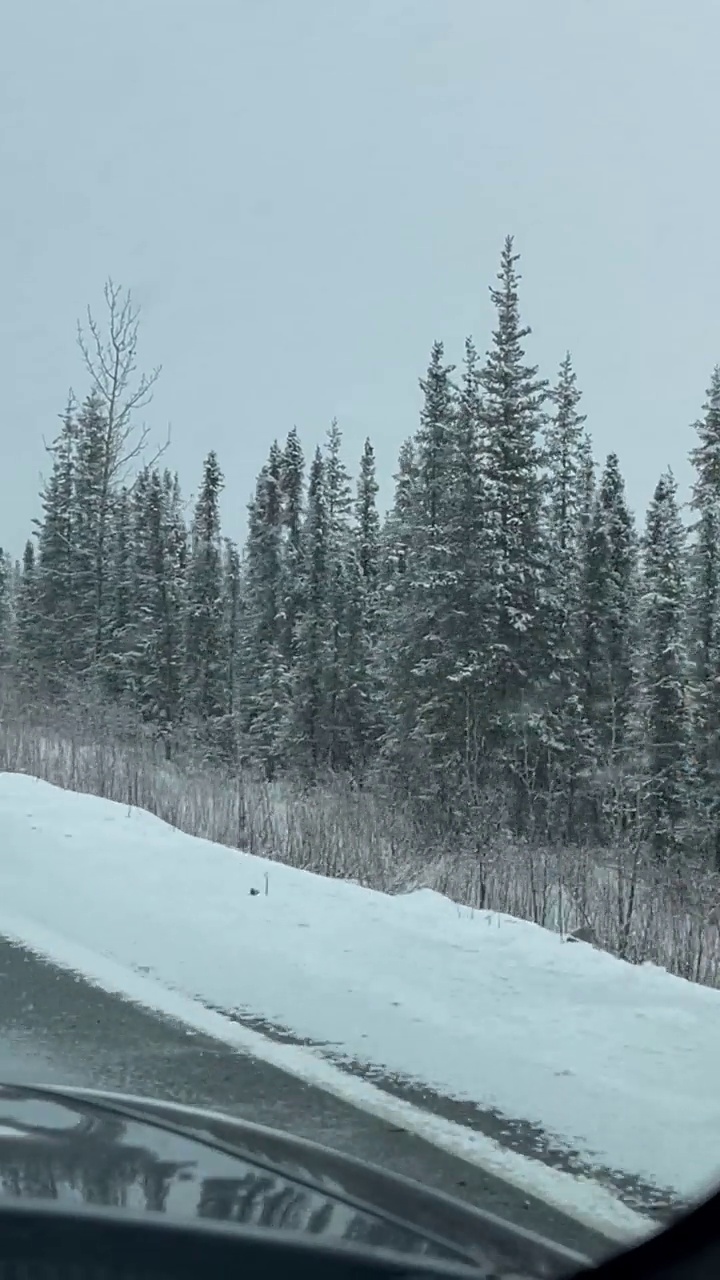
(360, 601)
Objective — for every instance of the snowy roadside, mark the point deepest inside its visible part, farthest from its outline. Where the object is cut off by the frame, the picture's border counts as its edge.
(431, 1014)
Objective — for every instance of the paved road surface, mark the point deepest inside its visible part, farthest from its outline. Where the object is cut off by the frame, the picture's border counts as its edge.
(56, 1028)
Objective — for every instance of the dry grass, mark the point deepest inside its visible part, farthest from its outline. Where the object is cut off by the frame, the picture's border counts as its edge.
(337, 830)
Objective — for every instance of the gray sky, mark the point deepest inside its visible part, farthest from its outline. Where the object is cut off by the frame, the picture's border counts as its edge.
(303, 194)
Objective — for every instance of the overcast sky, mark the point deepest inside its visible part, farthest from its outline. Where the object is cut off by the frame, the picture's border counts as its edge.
(304, 194)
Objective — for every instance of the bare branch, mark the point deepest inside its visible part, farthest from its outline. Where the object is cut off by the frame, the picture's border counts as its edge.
(110, 358)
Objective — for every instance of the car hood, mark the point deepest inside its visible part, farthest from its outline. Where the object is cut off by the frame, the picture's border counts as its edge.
(118, 1152)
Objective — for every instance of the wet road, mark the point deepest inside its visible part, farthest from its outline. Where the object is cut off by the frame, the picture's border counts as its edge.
(58, 1029)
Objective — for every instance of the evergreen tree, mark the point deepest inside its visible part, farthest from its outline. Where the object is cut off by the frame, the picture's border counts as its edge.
(587, 489)
(148, 603)
(433, 451)
(232, 625)
(205, 692)
(367, 520)
(705, 611)
(609, 640)
(310, 743)
(58, 647)
(392, 664)
(119, 616)
(665, 673)
(29, 641)
(420, 660)
(565, 458)
(93, 506)
(158, 651)
(292, 487)
(513, 405)
(428, 661)
(343, 604)
(458, 574)
(396, 538)
(262, 663)
(6, 615)
(470, 585)
(568, 476)
(364, 697)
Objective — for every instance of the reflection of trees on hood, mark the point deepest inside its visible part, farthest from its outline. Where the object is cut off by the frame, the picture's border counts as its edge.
(257, 1199)
(264, 1200)
(89, 1160)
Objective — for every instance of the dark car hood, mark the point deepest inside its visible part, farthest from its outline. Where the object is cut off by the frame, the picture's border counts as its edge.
(78, 1146)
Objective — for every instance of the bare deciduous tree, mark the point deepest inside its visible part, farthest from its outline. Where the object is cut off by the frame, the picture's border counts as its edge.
(111, 361)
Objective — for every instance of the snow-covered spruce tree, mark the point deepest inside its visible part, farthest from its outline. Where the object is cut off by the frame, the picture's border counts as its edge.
(6, 617)
(205, 695)
(364, 619)
(171, 604)
(396, 533)
(319, 730)
(568, 469)
(262, 669)
(149, 581)
(343, 603)
(665, 670)
(132, 606)
(610, 632)
(308, 737)
(119, 616)
(433, 453)
(565, 459)
(395, 588)
(176, 529)
(367, 519)
(94, 498)
(470, 587)
(704, 625)
(292, 488)
(28, 627)
(156, 628)
(232, 633)
(514, 397)
(588, 488)
(418, 661)
(462, 587)
(58, 640)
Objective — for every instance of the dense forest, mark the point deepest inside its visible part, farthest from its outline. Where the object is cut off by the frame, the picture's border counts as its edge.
(502, 652)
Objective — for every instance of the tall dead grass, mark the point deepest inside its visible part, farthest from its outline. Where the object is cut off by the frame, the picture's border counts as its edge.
(338, 830)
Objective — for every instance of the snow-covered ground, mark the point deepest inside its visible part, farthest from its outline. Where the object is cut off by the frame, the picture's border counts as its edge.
(615, 1062)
